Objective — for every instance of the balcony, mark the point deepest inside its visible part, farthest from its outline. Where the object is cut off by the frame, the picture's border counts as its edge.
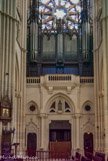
(84, 80)
(59, 78)
(33, 80)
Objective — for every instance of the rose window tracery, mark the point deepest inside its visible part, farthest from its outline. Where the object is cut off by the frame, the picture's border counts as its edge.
(66, 10)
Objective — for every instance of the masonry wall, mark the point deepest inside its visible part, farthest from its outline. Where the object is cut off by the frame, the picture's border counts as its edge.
(42, 92)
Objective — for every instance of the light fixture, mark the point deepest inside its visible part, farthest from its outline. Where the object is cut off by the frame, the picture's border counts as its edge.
(88, 133)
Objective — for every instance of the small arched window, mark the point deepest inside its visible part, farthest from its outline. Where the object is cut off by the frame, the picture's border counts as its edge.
(67, 108)
(60, 106)
(52, 108)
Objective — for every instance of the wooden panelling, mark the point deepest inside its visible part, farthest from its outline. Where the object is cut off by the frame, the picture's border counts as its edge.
(62, 148)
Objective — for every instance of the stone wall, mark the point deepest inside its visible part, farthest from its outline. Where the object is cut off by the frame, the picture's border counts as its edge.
(44, 91)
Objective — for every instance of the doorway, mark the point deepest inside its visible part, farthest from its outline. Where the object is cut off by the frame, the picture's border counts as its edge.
(88, 143)
(60, 139)
(6, 143)
(31, 144)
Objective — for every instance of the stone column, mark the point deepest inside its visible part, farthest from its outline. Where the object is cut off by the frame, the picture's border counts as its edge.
(105, 66)
(47, 134)
(42, 130)
(99, 123)
(23, 96)
(77, 116)
(100, 120)
(95, 76)
(78, 97)
(73, 134)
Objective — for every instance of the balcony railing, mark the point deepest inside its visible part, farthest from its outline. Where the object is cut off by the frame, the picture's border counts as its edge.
(33, 80)
(86, 80)
(59, 78)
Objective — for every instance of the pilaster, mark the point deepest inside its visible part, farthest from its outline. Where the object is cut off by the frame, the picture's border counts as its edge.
(77, 118)
(42, 130)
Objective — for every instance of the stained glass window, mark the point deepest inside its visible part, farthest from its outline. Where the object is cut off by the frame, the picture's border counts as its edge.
(52, 10)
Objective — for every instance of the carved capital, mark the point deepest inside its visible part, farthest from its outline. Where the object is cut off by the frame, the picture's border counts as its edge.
(77, 115)
(43, 115)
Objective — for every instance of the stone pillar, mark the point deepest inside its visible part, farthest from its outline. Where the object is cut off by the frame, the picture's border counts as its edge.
(95, 76)
(77, 116)
(73, 134)
(78, 97)
(42, 131)
(47, 134)
(101, 123)
(105, 66)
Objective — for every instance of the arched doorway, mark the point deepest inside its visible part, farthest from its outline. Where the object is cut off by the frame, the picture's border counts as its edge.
(31, 144)
(60, 138)
(88, 143)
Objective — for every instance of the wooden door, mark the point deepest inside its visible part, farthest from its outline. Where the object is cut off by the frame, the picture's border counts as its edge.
(88, 143)
(31, 144)
(6, 143)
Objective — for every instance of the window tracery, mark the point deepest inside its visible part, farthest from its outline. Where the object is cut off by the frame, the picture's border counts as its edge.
(60, 106)
(50, 11)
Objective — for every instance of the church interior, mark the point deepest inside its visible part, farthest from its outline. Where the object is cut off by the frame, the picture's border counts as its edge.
(54, 79)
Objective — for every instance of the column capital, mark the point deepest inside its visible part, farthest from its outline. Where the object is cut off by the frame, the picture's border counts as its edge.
(77, 115)
(43, 115)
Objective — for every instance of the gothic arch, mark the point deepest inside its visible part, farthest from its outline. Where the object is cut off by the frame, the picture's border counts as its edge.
(89, 103)
(60, 95)
(88, 127)
(31, 127)
(33, 103)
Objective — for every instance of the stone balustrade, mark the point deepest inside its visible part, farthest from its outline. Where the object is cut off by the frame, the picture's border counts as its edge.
(58, 78)
(87, 80)
(33, 80)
